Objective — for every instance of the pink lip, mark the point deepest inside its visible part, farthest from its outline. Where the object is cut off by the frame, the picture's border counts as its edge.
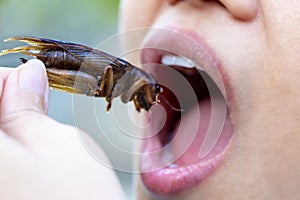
(173, 179)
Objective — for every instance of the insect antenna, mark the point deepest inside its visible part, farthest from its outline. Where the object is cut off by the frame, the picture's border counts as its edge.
(167, 102)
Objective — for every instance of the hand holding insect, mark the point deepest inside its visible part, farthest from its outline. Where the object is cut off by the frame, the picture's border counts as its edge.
(39, 154)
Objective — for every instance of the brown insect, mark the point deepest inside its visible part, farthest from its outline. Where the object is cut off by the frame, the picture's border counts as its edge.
(79, 69)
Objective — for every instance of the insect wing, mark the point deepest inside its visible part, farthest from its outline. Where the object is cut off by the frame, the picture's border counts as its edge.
(71, 81)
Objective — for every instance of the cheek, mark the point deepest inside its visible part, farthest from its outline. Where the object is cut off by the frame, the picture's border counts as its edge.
(134, 14)
(135, 19)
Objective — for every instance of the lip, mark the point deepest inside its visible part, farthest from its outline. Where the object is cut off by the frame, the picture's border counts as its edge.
(168, 180)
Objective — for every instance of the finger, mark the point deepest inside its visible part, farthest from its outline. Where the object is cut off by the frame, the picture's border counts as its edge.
(4, 72)
(24, 98)
(10, 149)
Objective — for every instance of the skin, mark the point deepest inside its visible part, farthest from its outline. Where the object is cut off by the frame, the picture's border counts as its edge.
(41, 158)
(258, 43)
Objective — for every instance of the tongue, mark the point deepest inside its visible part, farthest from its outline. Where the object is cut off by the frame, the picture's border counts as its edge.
(202, 133)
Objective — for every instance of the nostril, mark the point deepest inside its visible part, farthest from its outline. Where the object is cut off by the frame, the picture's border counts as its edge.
(173, 2)
(245, 10)
(242, 9)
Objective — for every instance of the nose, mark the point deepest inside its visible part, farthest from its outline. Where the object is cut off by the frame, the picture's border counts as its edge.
(240, 9)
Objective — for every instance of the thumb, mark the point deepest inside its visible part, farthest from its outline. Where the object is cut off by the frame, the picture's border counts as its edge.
(25, 97)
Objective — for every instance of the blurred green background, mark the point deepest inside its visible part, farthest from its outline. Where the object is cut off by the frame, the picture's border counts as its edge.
(85, 22)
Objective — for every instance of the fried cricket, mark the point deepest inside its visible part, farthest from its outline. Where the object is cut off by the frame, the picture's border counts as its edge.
(79, 69)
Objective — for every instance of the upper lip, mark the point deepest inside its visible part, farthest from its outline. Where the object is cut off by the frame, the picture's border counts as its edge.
(190, 45)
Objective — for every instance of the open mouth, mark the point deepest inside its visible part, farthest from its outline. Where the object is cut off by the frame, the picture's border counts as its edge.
(182, 148)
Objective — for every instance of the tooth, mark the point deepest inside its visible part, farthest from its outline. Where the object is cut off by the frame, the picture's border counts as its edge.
(175, 60)
(181, 61)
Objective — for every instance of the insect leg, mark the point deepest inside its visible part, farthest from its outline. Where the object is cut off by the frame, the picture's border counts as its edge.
(23, 60)
(106, 85)
(148, 93)
(136, 103)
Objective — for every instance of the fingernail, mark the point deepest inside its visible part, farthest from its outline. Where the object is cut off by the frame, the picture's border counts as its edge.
(32, 77)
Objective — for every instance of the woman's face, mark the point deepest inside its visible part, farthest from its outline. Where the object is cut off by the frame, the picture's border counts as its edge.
(251, 48)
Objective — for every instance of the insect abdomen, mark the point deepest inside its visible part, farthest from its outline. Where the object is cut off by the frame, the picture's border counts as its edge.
(60, 59)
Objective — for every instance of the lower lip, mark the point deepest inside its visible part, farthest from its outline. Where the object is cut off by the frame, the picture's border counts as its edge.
(187, 170)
